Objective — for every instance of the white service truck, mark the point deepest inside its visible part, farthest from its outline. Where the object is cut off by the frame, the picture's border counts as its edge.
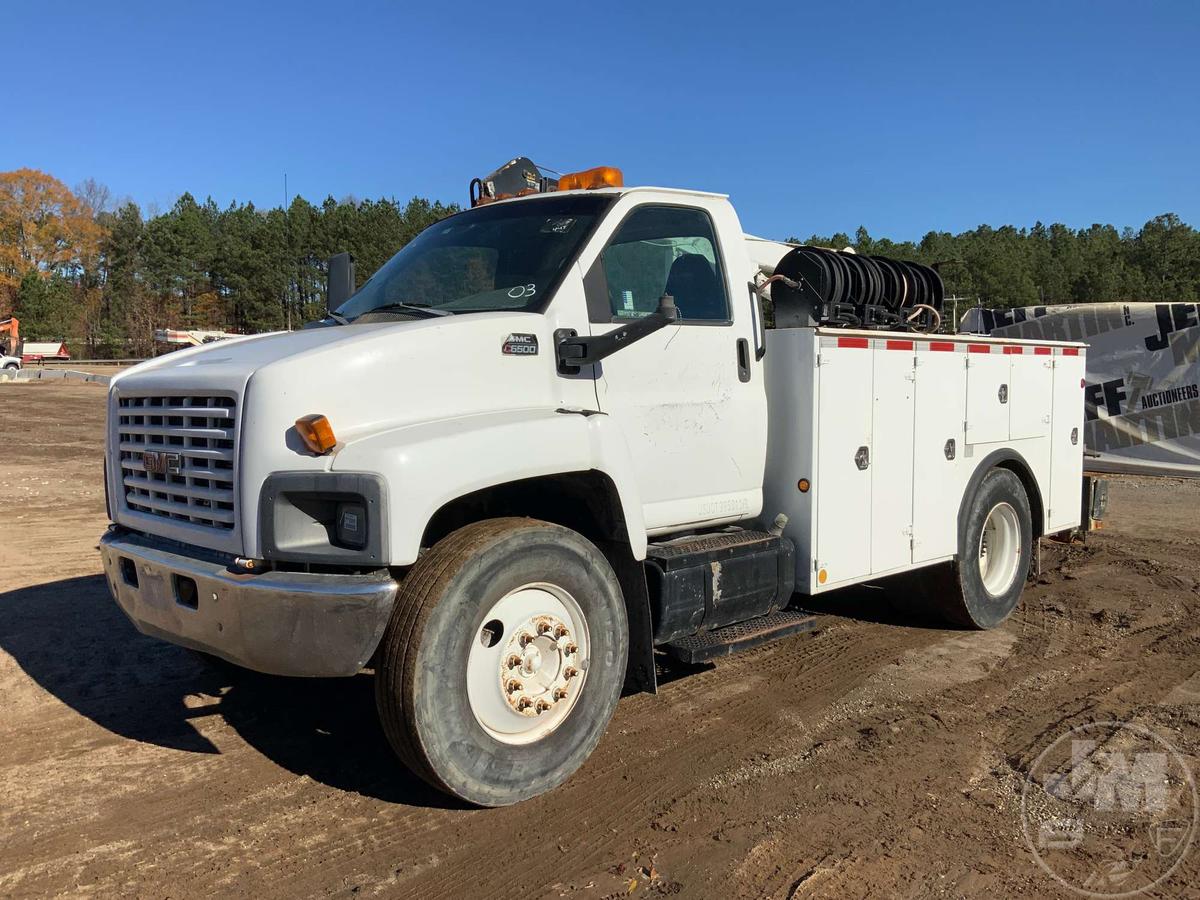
(552, 438)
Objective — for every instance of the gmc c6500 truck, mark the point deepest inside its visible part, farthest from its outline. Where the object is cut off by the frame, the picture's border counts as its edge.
(554, 439)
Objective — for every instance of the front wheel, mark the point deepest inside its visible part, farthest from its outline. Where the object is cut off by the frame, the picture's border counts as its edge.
(503, 660)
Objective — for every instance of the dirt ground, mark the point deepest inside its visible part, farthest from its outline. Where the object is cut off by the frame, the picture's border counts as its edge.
(875, 757)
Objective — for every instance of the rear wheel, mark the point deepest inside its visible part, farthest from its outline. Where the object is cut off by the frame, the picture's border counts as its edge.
(995, 545)
(503, 660)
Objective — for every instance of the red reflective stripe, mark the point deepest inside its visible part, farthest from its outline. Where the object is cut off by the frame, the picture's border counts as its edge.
(899, 345)
(1014, 350)
(1070, 351)
(853, 342)
(941, 345)
(1042, 351)
(979, 348)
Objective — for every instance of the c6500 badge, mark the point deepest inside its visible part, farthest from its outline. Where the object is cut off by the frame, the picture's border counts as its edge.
(520, 345)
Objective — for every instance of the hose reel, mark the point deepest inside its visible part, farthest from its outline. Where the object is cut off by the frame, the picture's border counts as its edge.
(817, 286)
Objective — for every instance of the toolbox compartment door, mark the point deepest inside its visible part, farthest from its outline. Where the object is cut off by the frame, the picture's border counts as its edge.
(1030, 382)
(937, 453)
(1066, 444)
(987, 395)
(843, 488)
(892, 458)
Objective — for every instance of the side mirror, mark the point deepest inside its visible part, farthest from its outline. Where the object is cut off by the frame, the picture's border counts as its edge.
(574, 352)
(341, 280)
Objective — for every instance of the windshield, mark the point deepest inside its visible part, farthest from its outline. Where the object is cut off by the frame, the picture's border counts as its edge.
(507, 256)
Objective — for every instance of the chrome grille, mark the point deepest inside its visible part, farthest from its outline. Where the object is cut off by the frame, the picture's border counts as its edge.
(177, 457)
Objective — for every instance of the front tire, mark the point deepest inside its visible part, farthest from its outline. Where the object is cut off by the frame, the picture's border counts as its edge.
(503, 660)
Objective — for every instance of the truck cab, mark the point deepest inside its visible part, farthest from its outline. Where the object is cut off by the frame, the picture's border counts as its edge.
(528, 454)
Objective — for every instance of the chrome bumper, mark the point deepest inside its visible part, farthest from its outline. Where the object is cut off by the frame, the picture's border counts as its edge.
(283, 623)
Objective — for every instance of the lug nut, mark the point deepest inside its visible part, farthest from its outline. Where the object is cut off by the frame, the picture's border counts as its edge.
(543, 627)
(561, 631)
(570, 649)
(570, 672)
(542, 706)
(524, 703)
(513, 686)
(560, 693)
(514, 661)
(525, 638)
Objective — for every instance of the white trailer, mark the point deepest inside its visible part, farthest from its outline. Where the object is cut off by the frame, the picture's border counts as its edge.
(552, 439)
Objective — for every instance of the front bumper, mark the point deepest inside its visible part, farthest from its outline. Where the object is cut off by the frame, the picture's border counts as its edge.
(282, 623)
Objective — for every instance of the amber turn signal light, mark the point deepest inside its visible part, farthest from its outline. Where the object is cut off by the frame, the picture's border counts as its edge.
(601, 176)
(317, 433)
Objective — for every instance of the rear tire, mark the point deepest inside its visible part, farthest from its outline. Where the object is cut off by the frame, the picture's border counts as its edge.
(982, 587)
(497, 602)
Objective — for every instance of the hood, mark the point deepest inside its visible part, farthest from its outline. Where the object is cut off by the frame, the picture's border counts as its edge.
(364, 378)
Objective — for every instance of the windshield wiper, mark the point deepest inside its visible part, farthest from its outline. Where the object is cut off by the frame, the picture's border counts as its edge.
(427, 311)
(337, 317)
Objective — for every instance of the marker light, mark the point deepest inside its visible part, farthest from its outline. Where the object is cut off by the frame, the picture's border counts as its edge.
(601, 176)
(317, 433)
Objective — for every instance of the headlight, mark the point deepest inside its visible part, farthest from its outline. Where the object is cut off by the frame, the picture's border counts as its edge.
(334, 518)
(352, 524)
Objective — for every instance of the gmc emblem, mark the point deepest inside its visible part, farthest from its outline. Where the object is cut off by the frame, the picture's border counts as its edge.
(162, 462)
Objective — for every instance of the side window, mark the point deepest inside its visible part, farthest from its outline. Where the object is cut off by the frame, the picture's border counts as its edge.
(666, 250)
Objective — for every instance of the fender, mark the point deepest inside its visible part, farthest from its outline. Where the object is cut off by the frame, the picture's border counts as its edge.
(432, 463)
(1022, 470)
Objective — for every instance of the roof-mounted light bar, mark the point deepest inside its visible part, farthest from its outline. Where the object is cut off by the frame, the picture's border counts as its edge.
(590, 179)
(522, 176)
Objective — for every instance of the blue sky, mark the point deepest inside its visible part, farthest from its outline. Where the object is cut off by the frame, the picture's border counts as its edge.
(813, 117)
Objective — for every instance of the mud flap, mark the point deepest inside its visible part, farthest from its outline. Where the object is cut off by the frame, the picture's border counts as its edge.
(640, 674)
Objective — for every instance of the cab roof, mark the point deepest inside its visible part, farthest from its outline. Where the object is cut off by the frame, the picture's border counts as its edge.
(616, 191)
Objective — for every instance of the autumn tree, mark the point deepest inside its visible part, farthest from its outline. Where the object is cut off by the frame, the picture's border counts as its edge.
(44, 228)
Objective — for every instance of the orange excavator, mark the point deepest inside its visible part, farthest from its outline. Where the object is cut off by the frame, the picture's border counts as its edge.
(10, 336)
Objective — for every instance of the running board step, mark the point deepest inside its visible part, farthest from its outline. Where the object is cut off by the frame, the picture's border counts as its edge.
(709, 645)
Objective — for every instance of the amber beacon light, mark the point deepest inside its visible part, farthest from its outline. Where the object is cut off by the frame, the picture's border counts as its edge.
(601, 176)
(317, 433)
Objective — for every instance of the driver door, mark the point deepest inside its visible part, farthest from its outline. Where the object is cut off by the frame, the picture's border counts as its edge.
(689, 398)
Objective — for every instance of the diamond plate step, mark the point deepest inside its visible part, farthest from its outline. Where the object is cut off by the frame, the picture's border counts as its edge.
(720, 642)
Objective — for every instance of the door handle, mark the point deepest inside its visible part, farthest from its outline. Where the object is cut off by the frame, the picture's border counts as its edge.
(743, 359)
